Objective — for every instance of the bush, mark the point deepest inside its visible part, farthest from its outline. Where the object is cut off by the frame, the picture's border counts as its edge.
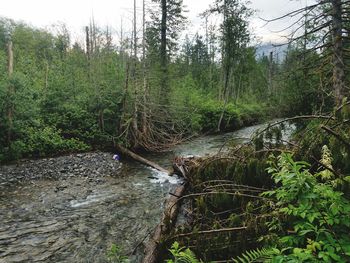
(36, 142)
(310, 218)
(47, 141)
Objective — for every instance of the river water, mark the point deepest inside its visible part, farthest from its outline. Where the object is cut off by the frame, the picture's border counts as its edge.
(77, 219)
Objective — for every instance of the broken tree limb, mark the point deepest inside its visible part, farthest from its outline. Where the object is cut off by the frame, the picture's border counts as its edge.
(179, 166)
(213, 231)
(140, 159)
(336, 135)
(153, 247)
(183, 165)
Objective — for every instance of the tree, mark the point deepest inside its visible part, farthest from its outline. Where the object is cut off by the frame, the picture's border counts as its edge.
(11, 90)
(234, 38)
(163, 31)
(324, 30)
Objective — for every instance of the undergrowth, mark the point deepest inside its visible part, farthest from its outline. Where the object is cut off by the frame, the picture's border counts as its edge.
(308, 219)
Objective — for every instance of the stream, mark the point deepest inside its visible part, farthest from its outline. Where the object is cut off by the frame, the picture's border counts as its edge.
(77, 217)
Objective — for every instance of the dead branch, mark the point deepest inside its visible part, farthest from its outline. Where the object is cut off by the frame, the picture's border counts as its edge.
(230, 182)
(213, 231)
(294, 118)
(336, 135)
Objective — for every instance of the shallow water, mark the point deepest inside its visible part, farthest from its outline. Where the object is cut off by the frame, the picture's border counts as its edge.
(78, 219)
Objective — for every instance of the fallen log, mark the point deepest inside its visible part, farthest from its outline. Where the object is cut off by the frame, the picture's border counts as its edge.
(152, 249)
(140, 159)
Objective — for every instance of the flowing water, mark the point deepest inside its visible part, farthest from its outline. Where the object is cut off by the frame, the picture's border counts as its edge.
(77, 219)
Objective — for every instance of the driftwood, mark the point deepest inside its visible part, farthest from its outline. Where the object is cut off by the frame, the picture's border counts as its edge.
(140, 159)
(152, 249)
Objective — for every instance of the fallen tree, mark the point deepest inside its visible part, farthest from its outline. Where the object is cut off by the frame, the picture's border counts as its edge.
(140, 159)
(153, 247)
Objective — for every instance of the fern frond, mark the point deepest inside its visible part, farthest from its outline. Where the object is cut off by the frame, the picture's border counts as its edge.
(257, 255)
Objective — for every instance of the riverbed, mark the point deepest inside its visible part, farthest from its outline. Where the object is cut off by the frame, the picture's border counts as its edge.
(77, 211)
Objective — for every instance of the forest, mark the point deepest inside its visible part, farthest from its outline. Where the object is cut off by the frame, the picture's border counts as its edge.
(149, 92)
(267, 200)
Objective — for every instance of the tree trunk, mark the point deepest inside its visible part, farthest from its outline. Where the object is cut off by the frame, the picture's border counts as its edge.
(135, 115)
(224, 94)
(271, 73)
(135, 33)
(338, 56)
(46, 80)
(163, 55)
(87, 40)
(140, 159)
(11, 90)
(101, 120)
(145, 91)
(124, 101)
(121, 50)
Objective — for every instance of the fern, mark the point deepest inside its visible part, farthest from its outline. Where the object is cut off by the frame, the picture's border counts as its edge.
(257, 255)
(182, 255)
(115, 255)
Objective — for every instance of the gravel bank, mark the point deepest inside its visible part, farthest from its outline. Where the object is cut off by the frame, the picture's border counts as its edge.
(90, 165)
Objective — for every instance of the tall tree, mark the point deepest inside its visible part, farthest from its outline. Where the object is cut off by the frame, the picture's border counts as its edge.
(163, 31)
(338, 11)
(324, 30)
(235, 38)
(163, 52)
(11, 90)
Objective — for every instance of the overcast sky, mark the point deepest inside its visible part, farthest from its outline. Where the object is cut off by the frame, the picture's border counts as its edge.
(77, 13)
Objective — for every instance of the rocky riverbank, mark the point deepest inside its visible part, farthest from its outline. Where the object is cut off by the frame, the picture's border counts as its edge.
(92, 165)
(73, 208)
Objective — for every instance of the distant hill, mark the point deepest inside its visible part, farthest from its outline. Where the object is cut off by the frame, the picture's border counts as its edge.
(279, 52)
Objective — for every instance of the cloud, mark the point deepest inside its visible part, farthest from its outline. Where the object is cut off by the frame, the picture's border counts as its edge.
(77, 13)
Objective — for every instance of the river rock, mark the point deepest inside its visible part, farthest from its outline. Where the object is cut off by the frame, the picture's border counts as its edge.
(90, 165)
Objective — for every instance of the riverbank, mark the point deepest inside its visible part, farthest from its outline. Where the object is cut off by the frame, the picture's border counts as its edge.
(92, 166)
(74, 208)
(51, 142)
(89, 214)
(233, 116)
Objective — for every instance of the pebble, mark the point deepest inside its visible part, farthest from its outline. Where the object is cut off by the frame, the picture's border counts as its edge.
(89, 165)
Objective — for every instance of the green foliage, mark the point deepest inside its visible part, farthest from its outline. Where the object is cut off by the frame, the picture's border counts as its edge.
(257, 255)
(208, 112)
(41, 142)
(115, 255)
(64, 99)
(300, 91)
(313, 138)
(182, 255)
(310, 218)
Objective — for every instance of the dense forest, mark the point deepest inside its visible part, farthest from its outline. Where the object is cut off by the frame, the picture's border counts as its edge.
(152, 89)
(148, 90)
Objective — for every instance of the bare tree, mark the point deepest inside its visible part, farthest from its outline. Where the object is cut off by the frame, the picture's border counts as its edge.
(324, 29)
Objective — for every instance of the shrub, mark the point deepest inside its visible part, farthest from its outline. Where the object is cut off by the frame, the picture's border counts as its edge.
(310, 218)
